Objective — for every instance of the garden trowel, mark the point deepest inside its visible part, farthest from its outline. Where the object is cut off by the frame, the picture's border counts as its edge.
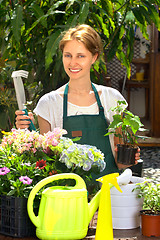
(20, 93)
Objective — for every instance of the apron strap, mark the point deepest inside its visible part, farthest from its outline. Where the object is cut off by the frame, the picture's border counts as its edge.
(101, 109)
(65, 101)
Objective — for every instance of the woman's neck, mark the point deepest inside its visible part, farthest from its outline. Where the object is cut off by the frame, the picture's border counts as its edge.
(80, 87)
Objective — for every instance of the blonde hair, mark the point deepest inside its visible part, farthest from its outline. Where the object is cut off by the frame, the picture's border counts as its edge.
(85, 34)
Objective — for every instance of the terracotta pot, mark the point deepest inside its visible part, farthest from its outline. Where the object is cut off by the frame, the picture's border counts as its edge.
(150, 224)
(126, 154)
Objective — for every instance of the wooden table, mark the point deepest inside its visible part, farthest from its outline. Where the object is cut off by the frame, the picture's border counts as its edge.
(133, 234)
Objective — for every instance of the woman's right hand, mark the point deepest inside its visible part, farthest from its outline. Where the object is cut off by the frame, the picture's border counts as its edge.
(22, 120)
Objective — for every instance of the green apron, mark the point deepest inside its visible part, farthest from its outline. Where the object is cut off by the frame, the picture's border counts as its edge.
(91, 129)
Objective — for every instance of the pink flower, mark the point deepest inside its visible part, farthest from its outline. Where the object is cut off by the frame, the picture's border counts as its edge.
(4, 171)
(52, 138)
(22, 140)
(25, 180)
(58, 132)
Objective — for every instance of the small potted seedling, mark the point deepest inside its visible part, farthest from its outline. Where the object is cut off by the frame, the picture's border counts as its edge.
(125, 126)
(150, 215)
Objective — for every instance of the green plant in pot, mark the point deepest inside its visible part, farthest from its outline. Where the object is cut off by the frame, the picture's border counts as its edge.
(150, 215)
(125, 126)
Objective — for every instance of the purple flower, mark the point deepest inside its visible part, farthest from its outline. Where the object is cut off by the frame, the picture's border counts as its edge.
(90, 155)
(87, 165)
(64, 157)
(71, 149)
(4, 171)
(25, 180)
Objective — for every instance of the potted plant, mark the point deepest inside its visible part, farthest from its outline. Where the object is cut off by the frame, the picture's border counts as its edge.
(28, 157)
(150, 215)
(125, 126)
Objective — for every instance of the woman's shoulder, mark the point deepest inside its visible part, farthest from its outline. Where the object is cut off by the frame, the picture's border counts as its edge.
(109, 95)
(54, 95)
(106, 89)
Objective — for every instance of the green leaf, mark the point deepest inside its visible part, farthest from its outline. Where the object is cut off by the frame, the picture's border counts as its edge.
(129, 113)
(70, 3)
(108, 6)
(153, 13)
(146, 15)
(42, 18)
(122, 31)
(76, 139)
(72, 21)
(144, 30)
(52, 47)
(17, 22)
(117, 121)
(123, 58)
(138, 15)
(103, 26)
(114, 46)
(12, 192)
(83, 12)
(57, 4)
(112, 23)
(39, 13)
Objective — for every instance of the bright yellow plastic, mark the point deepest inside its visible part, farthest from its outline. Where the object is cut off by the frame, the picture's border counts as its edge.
(63, 211)
(104, 223)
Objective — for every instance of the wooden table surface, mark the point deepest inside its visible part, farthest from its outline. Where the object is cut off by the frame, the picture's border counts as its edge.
(133, 234)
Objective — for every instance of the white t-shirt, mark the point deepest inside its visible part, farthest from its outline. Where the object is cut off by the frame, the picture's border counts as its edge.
(50, 106)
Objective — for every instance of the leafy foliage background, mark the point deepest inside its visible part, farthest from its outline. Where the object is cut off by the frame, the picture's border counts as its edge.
(30, 31)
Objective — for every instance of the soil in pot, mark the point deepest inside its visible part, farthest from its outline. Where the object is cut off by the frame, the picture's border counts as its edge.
(126, 154)
(150, 224)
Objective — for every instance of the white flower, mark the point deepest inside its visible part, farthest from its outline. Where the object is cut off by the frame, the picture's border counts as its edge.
(76, 155)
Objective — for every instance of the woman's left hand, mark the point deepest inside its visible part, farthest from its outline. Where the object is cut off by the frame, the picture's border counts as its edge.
(137, 156)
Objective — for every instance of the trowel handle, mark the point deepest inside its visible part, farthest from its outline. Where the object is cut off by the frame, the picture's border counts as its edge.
(31, 125)
(79, 185)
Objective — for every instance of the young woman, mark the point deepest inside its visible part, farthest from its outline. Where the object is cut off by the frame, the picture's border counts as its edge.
(80, 107)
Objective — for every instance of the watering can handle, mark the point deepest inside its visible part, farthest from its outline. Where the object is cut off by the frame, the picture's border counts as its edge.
(79, 185)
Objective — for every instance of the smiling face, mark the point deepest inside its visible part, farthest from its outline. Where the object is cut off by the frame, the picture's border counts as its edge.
(77, 60)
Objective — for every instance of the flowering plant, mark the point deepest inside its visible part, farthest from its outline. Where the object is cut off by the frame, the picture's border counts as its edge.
(28, 157)
(80, 159)
(23, 160)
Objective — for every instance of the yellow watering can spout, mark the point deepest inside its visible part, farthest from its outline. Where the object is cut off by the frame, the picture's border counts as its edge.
(104, 222)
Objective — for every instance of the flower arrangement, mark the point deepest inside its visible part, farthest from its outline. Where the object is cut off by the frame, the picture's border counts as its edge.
(28, 157)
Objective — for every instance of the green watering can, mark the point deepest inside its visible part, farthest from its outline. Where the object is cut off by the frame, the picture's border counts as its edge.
(64, 211)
